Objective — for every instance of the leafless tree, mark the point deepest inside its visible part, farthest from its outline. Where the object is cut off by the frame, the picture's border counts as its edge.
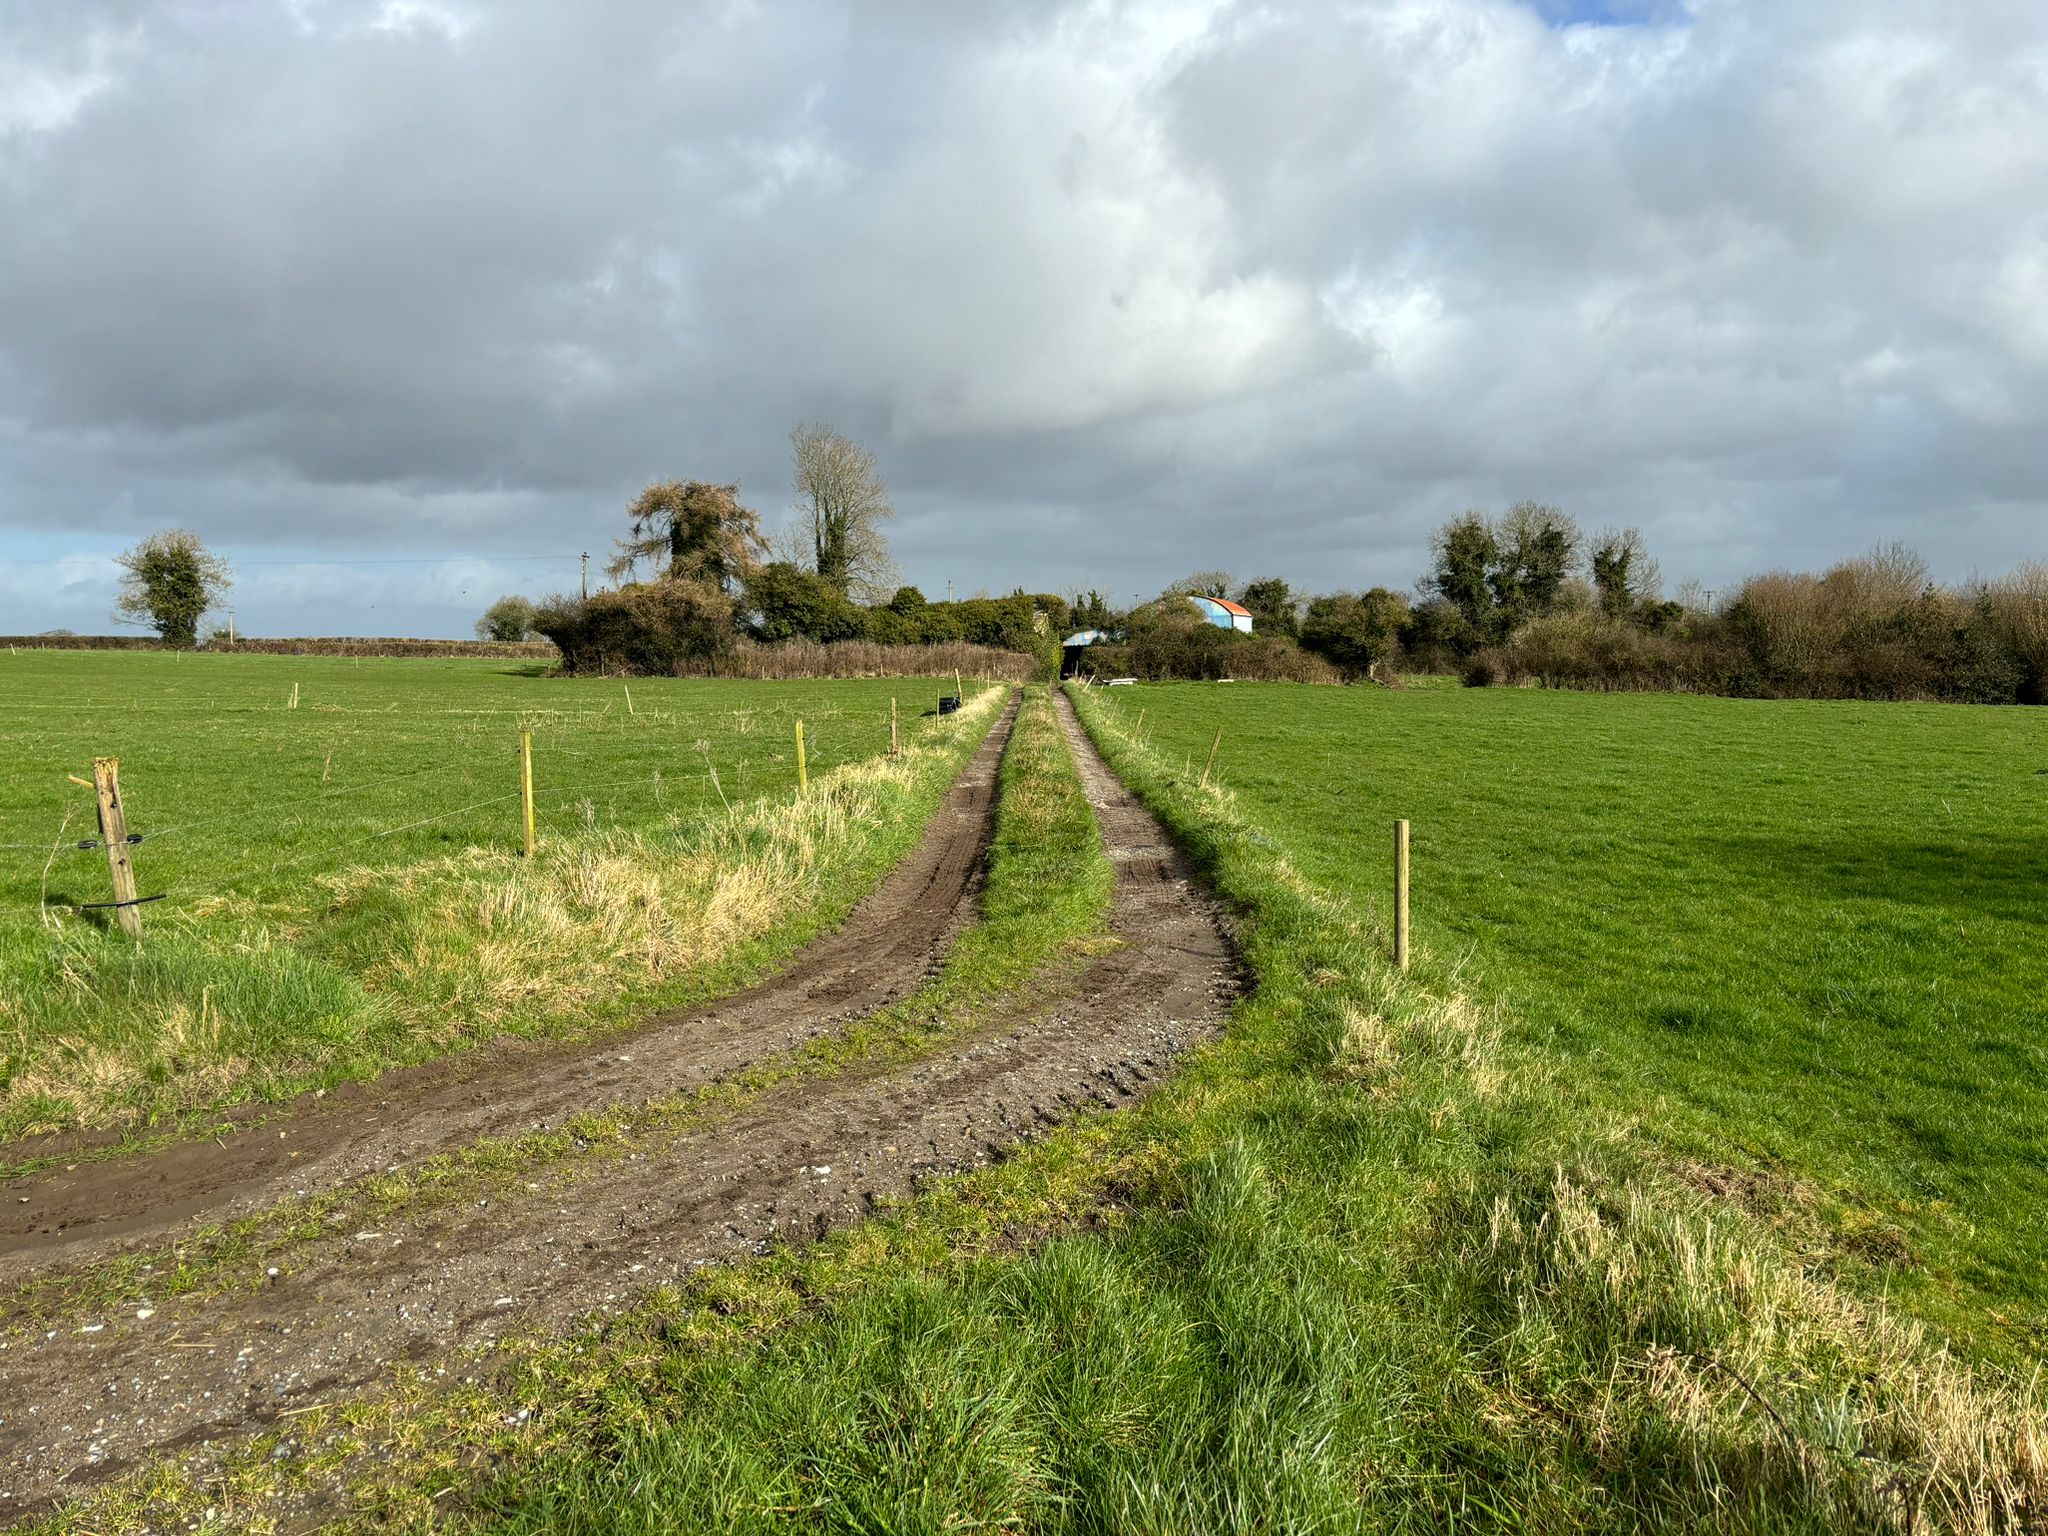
(841, 506)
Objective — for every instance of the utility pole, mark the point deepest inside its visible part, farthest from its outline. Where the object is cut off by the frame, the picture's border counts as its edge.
(586, 575)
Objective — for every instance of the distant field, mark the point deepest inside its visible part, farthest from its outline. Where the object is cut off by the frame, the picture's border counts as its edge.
(252, 809)
(1799, 939)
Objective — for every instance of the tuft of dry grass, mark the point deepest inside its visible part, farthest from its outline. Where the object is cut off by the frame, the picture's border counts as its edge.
(397, 963)
(1605, 1324)
(1770, 1384)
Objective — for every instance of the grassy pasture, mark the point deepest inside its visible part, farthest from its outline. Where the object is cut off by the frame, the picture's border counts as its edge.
(340, 871)
(1368, 1263)
(1806, 941)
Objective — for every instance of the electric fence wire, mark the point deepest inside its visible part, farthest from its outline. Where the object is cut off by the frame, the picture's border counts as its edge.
(275, 809)
(225, 884)
(248, 812)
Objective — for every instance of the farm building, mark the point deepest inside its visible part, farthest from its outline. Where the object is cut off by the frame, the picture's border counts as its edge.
(1222, 612)
(1072, 648)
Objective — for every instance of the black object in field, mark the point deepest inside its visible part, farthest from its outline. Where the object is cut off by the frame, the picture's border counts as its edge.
(948, 702)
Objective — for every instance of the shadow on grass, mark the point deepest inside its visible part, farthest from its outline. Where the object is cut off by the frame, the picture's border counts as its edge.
(2001, 876)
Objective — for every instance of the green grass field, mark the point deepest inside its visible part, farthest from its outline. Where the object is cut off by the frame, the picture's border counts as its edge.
(1806, 940)
(341, 881)
(1378, 1260)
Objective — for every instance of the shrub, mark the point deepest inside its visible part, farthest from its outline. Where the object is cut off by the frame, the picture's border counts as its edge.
(653, 628)
(2017, 609)
(790, 603)
(1355, 634)
(1171, 640)
(1592, 649)
(860, 658)
(508, 620)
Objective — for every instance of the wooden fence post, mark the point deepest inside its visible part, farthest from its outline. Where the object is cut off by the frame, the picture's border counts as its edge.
(803, 775)
(1212, 756)
(892, 727)
(1401, 895)
(106, 784)
(526, 786)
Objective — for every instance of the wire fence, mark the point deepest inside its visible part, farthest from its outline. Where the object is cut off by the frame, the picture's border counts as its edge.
(756, 753)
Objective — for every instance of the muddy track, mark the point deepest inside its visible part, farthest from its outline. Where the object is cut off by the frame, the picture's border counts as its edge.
(892, 941)
(810, 1154)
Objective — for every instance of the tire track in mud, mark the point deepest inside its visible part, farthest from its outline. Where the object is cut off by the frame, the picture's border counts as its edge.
(892, 942)
(809, 1155)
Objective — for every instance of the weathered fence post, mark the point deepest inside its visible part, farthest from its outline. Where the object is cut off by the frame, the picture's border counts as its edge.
(1212, 756)
(803, 776)
(526, 786)
(1401, 895)
(892, 727)
(106, 784)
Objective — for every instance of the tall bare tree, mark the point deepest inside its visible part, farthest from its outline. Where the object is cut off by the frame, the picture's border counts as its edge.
(841, 506)
(695, 531)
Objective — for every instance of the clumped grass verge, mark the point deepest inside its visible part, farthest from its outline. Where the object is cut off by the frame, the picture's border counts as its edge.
(395, 1457)
(1806, 943)
(1373, 1277)
(1358, 1268)
(347, 972)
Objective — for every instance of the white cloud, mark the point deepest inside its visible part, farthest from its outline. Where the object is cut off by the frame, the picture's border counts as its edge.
(1291, 281)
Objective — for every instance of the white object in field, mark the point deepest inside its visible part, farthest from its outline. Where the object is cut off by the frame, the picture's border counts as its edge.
(1120, 682)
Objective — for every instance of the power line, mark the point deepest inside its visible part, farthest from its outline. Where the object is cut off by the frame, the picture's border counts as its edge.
(371, 560)
(416, 560)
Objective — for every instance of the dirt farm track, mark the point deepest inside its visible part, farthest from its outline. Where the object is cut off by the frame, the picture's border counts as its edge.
(808, 1154)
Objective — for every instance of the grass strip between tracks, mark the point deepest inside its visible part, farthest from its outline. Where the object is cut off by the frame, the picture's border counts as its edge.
(1356, 1269)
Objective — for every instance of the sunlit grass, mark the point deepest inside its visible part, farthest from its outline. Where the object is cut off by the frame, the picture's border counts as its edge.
(1808, 939)
(344, 891)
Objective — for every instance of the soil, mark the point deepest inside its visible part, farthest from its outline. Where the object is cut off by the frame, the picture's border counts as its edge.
(78, 1407)
(892, 941)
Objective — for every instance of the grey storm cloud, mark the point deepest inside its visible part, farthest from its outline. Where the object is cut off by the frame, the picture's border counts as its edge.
(1115, 290)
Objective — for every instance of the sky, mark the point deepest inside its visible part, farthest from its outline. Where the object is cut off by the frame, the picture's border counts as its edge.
(398, 303)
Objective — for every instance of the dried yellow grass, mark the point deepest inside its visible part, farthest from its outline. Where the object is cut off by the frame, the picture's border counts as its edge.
(478, 942)
(1774, 1381)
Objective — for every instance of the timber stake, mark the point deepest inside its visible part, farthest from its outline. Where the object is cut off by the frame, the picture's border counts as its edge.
(106, 783)
(526, 786)
(1401, 895)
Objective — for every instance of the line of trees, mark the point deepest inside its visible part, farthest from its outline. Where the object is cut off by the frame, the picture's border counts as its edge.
(1522, 597)
(1528, 597)
(696, 574)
